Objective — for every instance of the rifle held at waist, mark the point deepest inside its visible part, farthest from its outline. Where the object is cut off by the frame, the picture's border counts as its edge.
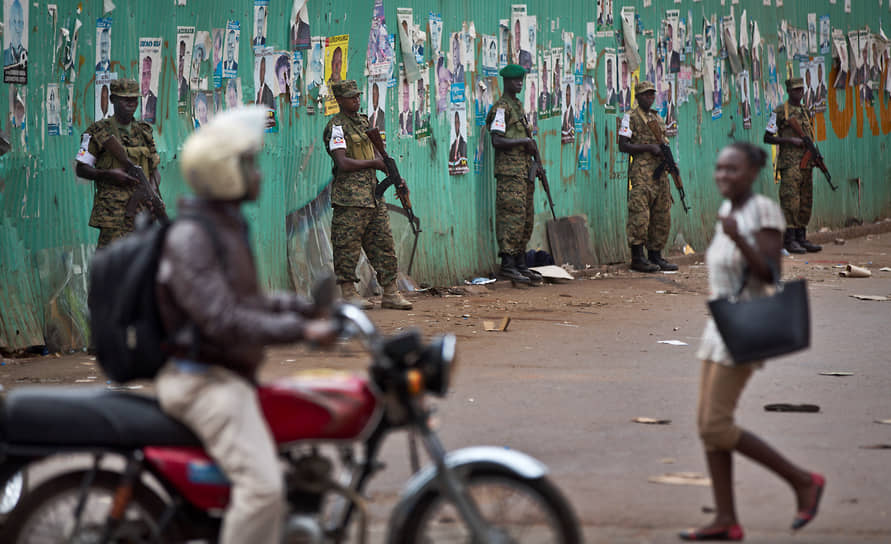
(812, 154)
(145, 190)
(393, 178)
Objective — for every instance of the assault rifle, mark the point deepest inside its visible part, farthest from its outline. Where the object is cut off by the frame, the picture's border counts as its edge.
(395, 179)
(812, 153)
(668, 163)
(145, 190)
(536, 170)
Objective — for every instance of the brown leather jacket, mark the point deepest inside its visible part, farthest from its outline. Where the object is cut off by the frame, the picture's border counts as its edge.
(222, 300)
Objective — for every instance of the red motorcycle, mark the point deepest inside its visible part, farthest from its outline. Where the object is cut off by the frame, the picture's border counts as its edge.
(168, 490)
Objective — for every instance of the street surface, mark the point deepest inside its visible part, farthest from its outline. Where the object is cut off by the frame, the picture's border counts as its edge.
(581, 359)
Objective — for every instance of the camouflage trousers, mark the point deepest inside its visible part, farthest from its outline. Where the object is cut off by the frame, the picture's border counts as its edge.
(514, 213)
(649, 213)
(796, 195)
(354, 229)
(108, 235)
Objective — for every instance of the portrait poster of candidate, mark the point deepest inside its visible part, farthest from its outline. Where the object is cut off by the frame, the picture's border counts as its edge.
(503, 43)
(671, 106)
(544, 94)
(590, 47)
(297, 80)
(604, 13)
(103, 44)
(103, 106)
(17, 113)
(15, 41)
(405, 24)
(149, 71)
(282, 71)
(456, 69)
(217, 37)
(745, 101)
(468, 47)
(841, 52)
(422, 106)
(265, 78)
(609, 80)
(584, 154)
(516, 33)
(379, 56)
(812, 33)
(625, 94)
(185, 44)
(434, 27)
(299, 30)
(261, 14)
(53, 110)
(315, 72)
(567, 59)
(824, 35)
(457, 116)
(556, 79)
(202, 108)
(817, 73)
(336, 57)
(376, 105)
(232, 97)
(528, 41)
(579, 60)
(650, 59)
(488, 55)
(672, 41)
(442, 80)
(230, 49)
(567, 123)
(406, 126)
(530, 97)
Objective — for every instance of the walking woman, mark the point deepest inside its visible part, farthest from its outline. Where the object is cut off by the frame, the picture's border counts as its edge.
(746, 248)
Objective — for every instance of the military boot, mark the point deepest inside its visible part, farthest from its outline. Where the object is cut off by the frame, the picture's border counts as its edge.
(639, 262)
(790, 242)
(655, 257)
(534, 277)
(509, 269)
(804, 242)
(393, 299)
(351, 296)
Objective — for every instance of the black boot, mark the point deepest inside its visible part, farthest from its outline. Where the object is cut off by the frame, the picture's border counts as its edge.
(656, 258)
(639, 262)
(509, 269)
(790, 242)
(520, 263)
(801, 233)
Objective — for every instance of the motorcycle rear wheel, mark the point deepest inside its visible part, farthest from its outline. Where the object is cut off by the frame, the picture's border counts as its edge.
(46, 515)
(528, 511)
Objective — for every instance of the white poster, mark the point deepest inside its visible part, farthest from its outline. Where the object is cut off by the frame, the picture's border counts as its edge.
(103, 44)
(590, 49)
(103, 106)
(150, 70)
(53, 109)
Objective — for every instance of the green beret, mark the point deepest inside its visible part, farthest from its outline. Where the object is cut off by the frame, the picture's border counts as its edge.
(126, 88)
(512, 71)
(345, 89)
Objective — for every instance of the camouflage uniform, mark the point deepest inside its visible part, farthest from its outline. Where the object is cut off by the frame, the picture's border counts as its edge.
(796, 184)
(110, 199)
(360, 220)
(649, 200)
(514, 192)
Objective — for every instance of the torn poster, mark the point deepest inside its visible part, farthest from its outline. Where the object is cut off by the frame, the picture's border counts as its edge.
(468, 47)
(218, 37)
(103, 106)
(15, 42)
(629, 32)
(815, 91)
(651, 59)
(68, 101)
(604, 13)
(379, 57)
(53, 110)
(584, 154)
(717, 99)
(566, 63)
(672, 44)
(405, 23)
(150, 70)
(745, 104)
(503, 42)
(482, 99)
(230, 60)
(434, 26)
(17, 113)
(579, 61)
(489, 56)
(824, 35)
(530, 99)
(590, 48)
(103, 44)
(185, 44)
(234, 98)
(729, 38)
(300, 31)
(202, 108)
(315, 73)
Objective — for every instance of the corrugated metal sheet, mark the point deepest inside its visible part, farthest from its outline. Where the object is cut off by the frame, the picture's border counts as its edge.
(44, 210)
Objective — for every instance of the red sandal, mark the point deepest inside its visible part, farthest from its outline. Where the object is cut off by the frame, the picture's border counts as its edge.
(805, 516)
(734, 533)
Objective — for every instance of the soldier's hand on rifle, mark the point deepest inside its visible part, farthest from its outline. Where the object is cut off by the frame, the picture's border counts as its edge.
(120, 176)
(378, 164)
(797, 142)
(655, 149)
(530, 145)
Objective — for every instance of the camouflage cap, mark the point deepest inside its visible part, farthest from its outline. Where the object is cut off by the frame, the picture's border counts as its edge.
(126, 88)
(512, 71)
(345, 89)
(644, 86)
(794, 83)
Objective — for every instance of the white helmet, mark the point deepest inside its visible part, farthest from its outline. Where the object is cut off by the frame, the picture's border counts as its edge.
(210, 157)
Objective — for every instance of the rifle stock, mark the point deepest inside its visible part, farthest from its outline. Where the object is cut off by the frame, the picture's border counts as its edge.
(393, 178)
(145, 191)
(812, 154)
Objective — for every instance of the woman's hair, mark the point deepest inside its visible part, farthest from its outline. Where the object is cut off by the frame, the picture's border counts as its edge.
(756, 156)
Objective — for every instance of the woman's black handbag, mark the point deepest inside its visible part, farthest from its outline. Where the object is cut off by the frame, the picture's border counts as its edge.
(767, 326)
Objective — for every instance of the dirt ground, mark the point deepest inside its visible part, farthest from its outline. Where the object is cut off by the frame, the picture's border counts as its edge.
(581, 358)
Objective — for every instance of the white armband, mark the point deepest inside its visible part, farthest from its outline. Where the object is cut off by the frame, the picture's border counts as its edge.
(772, 123)
(83, 155)
(337, 140)
(625, 128)
(498, 123)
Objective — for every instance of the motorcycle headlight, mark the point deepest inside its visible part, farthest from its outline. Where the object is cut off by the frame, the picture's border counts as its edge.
(437, 364)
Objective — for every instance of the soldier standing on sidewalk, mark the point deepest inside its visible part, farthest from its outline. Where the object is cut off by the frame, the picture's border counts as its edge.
(649, 200)
(796, 183)
(514, 191)
(360, 220)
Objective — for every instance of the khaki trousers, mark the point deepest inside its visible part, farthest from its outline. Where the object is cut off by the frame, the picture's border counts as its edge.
(719, 391)
(223, 410)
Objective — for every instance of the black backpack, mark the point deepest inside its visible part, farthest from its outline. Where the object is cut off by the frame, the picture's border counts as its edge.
(125, 322)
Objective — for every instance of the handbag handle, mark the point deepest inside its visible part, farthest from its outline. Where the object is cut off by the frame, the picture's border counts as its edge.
(774, 274)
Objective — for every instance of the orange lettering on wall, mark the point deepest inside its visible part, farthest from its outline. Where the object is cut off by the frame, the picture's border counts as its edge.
(870, 116)
(884, 107)
(820, 126)
(840, 119)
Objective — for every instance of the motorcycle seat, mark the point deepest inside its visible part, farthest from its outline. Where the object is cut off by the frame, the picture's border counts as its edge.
(92, 417)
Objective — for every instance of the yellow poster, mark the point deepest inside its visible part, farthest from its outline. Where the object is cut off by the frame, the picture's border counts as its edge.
(335, 67)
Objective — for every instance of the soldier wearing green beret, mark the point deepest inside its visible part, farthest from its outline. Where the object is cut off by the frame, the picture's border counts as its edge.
(514, 191)
(649, 200)
(114, 186)
(360, 220)
(796, 184)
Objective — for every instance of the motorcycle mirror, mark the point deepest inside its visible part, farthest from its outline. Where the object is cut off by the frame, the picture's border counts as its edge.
(324, 292)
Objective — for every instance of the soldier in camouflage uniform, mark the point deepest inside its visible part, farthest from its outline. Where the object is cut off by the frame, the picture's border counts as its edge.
(360, 220)
(796, 183)
(649, 200)
(114, 186)
(514, 191)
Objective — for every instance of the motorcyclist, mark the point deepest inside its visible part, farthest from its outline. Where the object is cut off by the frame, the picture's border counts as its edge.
(219, 322)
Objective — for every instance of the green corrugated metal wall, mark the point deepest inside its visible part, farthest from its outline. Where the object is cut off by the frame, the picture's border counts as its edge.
(44, 211)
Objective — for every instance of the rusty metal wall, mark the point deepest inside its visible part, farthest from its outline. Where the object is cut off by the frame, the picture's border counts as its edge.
(46, 242)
